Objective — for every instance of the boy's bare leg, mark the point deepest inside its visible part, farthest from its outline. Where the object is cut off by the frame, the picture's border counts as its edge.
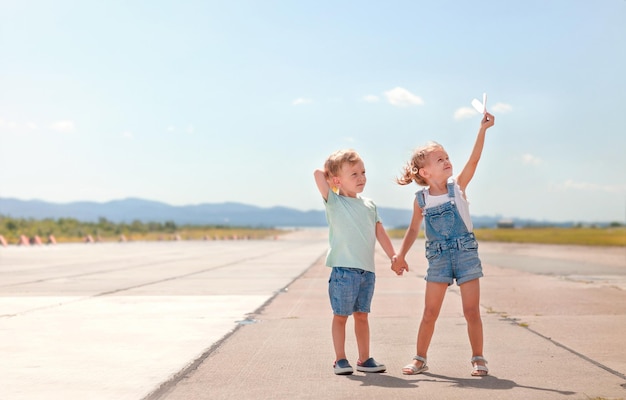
(339, 336)
(362, 333)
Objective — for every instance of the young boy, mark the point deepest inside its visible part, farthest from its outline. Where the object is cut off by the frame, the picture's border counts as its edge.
(354, 227)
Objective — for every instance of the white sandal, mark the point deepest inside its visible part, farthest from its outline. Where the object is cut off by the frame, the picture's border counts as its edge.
(414, 370)
(479, 369)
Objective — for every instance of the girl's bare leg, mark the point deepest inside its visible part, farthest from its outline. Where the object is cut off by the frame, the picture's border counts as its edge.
(470, 296)
(435, 293)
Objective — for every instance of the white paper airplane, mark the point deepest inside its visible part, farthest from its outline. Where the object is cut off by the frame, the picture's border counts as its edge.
(480, 107)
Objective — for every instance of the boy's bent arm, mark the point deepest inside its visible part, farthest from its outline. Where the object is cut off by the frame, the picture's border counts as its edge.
(322, 183)
(385, 241)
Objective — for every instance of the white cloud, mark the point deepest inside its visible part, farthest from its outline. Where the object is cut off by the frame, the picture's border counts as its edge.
(370, 98)
(128, 135)
(501, 108)
(63, 126)
(464, 112)
(468, 112)
(190, 129)
(18, 127)
(593, 187)
(7, 124)
(301, 100)
(401, 97)
(529, 159)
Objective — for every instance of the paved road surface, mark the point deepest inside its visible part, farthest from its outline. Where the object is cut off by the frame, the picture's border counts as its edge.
(115, 321)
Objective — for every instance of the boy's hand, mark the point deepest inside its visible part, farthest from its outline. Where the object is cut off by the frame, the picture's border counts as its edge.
(399, 265)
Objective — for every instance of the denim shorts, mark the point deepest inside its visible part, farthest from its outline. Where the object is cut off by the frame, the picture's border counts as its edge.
(453, 259)
(350, 290)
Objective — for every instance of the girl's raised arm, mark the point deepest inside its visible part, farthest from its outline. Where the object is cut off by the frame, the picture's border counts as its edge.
(467, 173)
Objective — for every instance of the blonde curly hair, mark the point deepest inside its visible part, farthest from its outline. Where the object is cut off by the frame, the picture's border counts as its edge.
(335, 161)
(418, 161)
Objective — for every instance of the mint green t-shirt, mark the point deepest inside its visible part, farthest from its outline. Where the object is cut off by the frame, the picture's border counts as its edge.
(352, 231)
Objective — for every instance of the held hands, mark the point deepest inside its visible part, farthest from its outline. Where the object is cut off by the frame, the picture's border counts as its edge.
(399, 265)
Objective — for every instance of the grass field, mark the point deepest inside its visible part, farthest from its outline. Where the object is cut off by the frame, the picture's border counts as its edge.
(182, 234)
(571, 236)
(211, 234)
(566, 236)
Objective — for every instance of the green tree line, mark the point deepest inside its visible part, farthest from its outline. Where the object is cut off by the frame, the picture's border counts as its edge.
(73, 230)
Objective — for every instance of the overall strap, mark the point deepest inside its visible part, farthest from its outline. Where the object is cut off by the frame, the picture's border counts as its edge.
(451, 189)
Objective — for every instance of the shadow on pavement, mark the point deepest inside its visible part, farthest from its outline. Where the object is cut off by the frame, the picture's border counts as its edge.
(383, 380)
(487, 382)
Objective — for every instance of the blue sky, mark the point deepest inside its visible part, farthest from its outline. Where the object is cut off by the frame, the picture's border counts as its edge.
(189, 102)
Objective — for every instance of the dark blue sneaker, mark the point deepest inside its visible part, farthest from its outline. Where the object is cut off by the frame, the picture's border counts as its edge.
(370, 365)
(343, 367)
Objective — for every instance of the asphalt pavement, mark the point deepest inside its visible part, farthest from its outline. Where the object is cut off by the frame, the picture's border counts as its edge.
(251, 320)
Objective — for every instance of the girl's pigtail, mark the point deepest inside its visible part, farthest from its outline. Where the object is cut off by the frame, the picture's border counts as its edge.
(407, 177)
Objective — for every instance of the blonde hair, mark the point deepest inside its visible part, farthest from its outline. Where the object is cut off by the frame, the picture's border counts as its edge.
(335, 161)
(418, 161)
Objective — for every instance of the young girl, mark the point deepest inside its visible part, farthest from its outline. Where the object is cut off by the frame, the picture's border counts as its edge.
(451, 248)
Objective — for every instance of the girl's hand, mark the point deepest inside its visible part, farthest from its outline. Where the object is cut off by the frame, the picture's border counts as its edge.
(488, 121)
(399, 265)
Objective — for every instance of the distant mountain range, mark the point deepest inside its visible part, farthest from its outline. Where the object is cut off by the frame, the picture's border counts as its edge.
(230, 214)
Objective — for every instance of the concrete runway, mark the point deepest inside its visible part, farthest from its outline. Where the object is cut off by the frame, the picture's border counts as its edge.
(117, 320)
(114, 320)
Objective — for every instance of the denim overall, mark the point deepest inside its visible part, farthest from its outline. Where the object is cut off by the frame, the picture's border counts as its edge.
(451, 250)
